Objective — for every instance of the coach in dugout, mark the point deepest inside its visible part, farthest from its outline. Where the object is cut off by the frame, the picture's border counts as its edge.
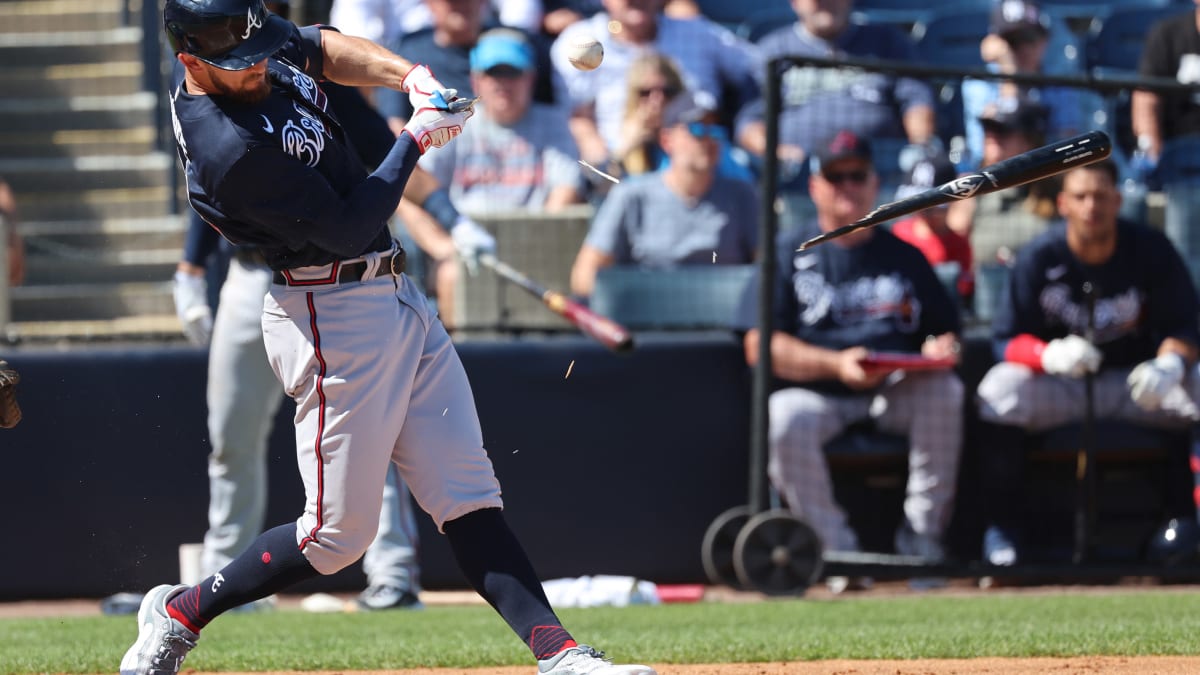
(834, 306)
(1143, 353)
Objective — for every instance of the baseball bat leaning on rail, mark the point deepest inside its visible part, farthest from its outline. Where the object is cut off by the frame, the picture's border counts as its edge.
(602, 329)
(1039, 163)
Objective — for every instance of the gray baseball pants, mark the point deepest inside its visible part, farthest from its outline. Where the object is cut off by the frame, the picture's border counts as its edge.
(924, 406)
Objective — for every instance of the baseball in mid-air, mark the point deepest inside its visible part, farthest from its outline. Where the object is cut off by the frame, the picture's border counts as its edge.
(585, 52)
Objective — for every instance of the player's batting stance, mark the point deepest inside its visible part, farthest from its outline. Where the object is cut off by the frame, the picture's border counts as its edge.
(373, 373)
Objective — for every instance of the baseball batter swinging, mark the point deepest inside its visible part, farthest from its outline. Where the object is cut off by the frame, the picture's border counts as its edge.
(373, 372)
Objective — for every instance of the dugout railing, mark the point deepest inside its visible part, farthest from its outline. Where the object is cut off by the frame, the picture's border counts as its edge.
(763, 546)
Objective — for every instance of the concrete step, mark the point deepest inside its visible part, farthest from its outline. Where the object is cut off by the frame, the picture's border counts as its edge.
(116, 233)
(39, 175)
(112, 268)
(78, 143)
(156, 327)
(74, 302)
(78, 112)
(84, 46)
(33, 16)
(96, 204)
(118, 78)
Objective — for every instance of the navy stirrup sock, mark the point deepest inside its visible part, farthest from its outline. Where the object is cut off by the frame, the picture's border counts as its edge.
(272, 563)
(498, 569)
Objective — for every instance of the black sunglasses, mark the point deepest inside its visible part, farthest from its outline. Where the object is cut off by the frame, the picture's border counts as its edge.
(858, 176)
(667, 92)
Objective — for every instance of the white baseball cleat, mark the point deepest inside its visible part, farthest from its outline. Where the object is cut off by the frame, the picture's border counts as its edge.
(583, 660)
(163, 643)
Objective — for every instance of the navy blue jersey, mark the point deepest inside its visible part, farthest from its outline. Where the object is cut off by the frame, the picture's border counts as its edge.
(281, 175)
(882, 295)
(367, 130)
(1143, 293)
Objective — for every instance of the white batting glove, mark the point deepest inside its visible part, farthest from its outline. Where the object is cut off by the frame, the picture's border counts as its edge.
(1150, 381)
(420, 84)
(1071, 356)
(191, 306)
(432, 126)
(470, 241)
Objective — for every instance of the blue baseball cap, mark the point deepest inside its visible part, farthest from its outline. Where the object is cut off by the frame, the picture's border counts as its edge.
(502, 47)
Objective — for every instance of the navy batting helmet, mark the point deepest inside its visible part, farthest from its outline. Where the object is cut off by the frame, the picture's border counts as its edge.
(229, 34)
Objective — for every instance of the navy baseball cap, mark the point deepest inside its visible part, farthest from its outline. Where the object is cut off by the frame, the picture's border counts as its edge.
(687, 107)
(1012, 17)
(930, 171)
(844, 144)
(228, 34)
(502, 47)
(1021, 114)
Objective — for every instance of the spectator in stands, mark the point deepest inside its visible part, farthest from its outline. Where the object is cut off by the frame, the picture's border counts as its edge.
(9, 230)
(1172, 50)
(516, 154)
(558, 14)
(927, 230)
(1016, 43)
(445, 47)
(998, 224)
(710, 59)
(683, 214)
(1143, 354)
(834, 306)
(653, 81)
(818, 102)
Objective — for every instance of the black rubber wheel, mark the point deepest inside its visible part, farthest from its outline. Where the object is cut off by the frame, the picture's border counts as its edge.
(716, 551)
(777, 553)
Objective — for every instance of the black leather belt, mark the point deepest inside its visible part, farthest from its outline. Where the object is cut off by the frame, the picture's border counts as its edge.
(393, 265)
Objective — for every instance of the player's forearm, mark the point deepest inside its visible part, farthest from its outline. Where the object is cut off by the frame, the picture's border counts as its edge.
(592, 147)
(1144, 117)
(918, 124)
(359, 62)
(793, 359)
(425, 231)
(1187, 350)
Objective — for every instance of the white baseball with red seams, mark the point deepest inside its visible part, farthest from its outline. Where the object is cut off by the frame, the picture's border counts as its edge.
(585, 52)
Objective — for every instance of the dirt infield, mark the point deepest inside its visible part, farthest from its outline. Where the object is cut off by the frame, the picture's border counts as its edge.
(1087, 665)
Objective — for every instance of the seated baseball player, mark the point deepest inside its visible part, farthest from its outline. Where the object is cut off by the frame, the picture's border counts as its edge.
(1142, 356)
(684, 214)
(836, 306)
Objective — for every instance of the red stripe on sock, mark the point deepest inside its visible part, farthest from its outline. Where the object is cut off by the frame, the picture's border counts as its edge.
(546, 641)
(185, 608)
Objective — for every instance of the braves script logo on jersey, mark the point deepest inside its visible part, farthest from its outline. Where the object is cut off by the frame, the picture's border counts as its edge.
(858, 300)
(252, 22)
(306, 140)
(1116, 317)
(217, 581)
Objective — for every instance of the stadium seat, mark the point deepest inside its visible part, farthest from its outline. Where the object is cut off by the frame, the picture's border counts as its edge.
(764, 21)
(951, 38)
(905, 14)
(1115, 40)
(731, 13)
(678, 298)
(1081, 13)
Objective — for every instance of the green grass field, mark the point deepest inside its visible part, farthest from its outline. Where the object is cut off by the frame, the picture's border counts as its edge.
(1162, 622)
